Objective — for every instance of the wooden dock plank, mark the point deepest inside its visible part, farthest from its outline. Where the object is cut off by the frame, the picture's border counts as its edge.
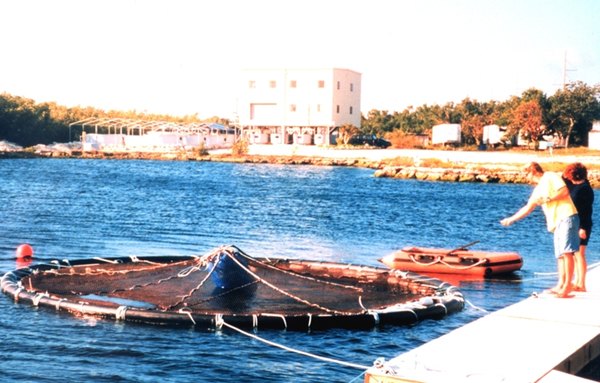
(520, 343)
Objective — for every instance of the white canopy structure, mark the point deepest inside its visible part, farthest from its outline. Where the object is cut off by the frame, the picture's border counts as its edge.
(104, 133)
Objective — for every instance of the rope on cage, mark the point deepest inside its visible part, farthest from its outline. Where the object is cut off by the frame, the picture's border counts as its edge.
(233, 250)
(198, 264)
(272, 286)
(221, 295)
(192, 291)
(286, 348)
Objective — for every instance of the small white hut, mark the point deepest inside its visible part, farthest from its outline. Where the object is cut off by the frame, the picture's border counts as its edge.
(445, 134)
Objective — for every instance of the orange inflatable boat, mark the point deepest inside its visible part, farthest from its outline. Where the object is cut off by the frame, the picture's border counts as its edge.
(458, 261)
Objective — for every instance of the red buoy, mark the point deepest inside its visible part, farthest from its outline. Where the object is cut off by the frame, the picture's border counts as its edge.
(24, 251)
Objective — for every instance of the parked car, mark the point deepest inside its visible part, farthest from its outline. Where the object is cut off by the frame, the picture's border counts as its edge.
(369, 140)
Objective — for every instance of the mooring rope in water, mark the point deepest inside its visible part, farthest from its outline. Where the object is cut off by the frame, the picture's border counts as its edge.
(286, 348)
(590, 267)
(475, 307)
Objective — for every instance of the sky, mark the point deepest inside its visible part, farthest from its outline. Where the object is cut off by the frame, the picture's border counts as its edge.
(184, 57)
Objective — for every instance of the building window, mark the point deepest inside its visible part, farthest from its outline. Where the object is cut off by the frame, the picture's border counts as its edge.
(337, 109)
(292, 83)
(338, 85)
(351, 87)
(350, 110)
(292, 107)
(252, 84)
(321, 84)
(272, 84)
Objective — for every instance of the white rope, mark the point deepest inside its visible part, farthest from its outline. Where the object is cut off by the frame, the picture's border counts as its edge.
(120, 313)
(593, 266)
(415, 260)
(439, 259)
(375, 317)
(191, 317)
(421, 279)
(194, 289)
(272, 286)
(549, 273)
(475, 307)
(276, 316)
(36, 300)
(58, 303)
(7, 281)
(188, 313)
(480, 262)
(219, 321)
(187, 271)
(400, 273)
(360, 303)
(232, 250)
(17, 292)
(325, 359)
(105, 260)
(552, 273)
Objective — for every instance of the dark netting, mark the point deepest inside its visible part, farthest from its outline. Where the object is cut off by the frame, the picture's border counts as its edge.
(229, 282)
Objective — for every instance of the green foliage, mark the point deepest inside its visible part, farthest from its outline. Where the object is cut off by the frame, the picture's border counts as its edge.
(26, 123)
(573, 110)
(569, 113)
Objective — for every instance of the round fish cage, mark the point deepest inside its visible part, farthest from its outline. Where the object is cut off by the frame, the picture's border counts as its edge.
(228, 286)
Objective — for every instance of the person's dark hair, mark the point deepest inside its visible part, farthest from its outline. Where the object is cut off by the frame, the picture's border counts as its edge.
(575, 172)
(534, 168)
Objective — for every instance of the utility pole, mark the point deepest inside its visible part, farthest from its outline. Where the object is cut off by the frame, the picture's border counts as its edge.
(565, 70)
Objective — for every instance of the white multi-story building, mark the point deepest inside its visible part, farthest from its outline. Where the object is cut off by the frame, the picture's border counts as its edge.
(301, 106)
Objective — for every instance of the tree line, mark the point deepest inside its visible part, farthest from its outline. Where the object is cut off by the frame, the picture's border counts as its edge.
(26, 123)
(568, 114)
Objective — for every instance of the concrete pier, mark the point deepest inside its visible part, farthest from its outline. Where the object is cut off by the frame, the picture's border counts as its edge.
(540, 339)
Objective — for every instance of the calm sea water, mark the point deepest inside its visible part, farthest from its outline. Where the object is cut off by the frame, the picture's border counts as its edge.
(71, 208)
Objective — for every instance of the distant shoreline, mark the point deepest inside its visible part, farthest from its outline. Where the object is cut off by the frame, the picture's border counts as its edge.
(421, 164)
